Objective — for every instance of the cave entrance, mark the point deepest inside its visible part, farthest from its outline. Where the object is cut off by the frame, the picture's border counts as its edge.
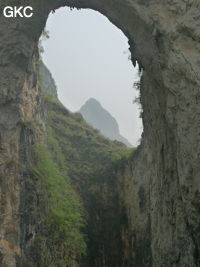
(89, 58)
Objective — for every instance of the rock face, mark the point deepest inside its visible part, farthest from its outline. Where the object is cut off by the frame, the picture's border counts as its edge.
(99, 118)
(46, 80)
(159, 189)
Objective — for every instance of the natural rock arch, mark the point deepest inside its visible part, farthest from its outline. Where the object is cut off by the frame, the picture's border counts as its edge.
(164, 39)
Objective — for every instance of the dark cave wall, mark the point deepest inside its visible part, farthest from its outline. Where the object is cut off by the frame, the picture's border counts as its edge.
(160, 189)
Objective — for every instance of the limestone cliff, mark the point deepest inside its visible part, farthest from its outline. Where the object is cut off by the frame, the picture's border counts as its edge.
(46, 80)
(160, 187)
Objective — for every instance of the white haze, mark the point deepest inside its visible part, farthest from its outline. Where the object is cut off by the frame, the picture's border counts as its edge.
(88, 57)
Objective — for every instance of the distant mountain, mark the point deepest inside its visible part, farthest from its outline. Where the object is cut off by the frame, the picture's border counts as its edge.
(101, 119)
(92, 111)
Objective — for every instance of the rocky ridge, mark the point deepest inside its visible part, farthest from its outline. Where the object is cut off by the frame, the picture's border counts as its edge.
(101, 119)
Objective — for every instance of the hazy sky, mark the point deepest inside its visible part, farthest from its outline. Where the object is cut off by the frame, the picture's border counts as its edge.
(88, 57)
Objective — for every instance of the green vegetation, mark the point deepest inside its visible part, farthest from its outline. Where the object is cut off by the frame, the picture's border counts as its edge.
(89, 161)
(87, 154)
(62, 217)
(75, 187)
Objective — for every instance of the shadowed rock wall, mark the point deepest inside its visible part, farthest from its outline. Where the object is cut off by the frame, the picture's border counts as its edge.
(160, 189)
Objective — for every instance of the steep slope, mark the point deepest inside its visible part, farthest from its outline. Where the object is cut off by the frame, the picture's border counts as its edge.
(93, 112)
(75, 181)
(91, 161)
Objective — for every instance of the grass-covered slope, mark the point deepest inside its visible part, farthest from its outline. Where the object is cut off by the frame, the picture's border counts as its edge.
(75, 183)
(82, 150)
(60, 242)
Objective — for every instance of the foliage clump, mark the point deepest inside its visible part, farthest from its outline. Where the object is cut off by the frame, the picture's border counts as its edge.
(60, 242)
